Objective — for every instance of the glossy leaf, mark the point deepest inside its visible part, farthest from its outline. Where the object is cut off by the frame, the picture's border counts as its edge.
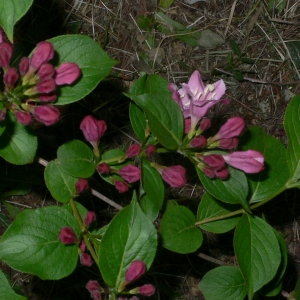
(10, 12)
(31, 243)
(138, 121)
(60, 184)
(6, 291)
(153, 191)
(223, 283)
(209, 207)
(18, 144)
(178, 230)
(233, 190)
(76, 159)
(93, 61)
(292, 128)
(271, 181)
(257, 251)
(130, 236)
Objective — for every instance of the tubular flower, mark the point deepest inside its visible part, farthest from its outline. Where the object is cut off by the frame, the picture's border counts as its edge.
(46, 114)
(11, 77)
(130, 173)
(43, 52)
(174, 176)
(24, 118)
(136, 269)
(66, 73)
(146, 290)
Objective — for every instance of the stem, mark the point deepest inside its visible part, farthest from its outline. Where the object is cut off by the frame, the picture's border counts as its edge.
(83, 230)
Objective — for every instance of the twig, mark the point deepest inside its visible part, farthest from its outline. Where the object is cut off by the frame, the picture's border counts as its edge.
(213, 260)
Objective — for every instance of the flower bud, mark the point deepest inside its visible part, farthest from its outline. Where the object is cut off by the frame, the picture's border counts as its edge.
(11, 77)
(23, 117)
(96, 295)
(94, 288)
(43, 52)
(46, 114)
(205, 124)
(146, 290)
(222, 173)
(150, 150)
(187, 125)
(24, 65)
(136, 269)
(133, 151)
(121, 186)
(228, 143)
(81, 185)
(46, 86)
(89, 218)
(2, 114)
(232, 128)
(215, 161)
(92, 129)
(4, 58)
(198, 142)
(47, 97)
(209, 172)
(103, 168)
(85, 259)
(66, 73)
(130, 173)
(174, 176)
(46, 71)
(82, 246)
(67, 236)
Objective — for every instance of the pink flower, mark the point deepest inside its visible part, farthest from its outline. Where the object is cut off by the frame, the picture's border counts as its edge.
(222, 173)
(103, 168)
(92, 129)
(89, 218)
(46, 71)
(136, 269)
(174, 176)
(22, 117)
(66, 73)
(198, 142)
(81, 185)
(86, 260)
(250, 161)
(121, 186)
(11, 77)
(43, 52)
(130, 173)
(150, 150)
(24, 65)
(133, 151)
(46, 114)
(67, 236)
(46, 86)
(146, 290)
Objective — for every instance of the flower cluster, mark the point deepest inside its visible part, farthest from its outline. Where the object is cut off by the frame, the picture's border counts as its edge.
(30, 92)
(209, 153)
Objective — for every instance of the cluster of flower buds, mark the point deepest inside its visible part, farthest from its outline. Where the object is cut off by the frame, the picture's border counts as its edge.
(30, 91)
(208, 153)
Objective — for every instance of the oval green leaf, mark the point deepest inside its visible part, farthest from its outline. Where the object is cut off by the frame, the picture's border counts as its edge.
(178, 230)
(138, 121)
(31, 243)
(223, 283)
(257, 251)
(93, 61)
(76, 159)
(210, 207)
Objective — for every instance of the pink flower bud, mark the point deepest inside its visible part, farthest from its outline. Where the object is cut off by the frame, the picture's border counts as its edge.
(94, 288)
(174, 176)
(85, 259)
(103, 168)
(136, 269)
(81, 185)
(96, 295)
(66, 73)
(133, 151)
(47, 97)
(215, 161)
(121, 186)
(205, 124)
(134, 298)
(2, 115)
(82, 246)
(209, 172)
(150, 150)
(232, 128)
(228, 143)
(46, 86)
(92, 129)
(24, 118)
(43, 52)
(198, 142)
(67, 236)
(11, 77)
(1, 36)
(146, 290)
(89, 218)
(24, 65)
(130, 173)
(187, 125)
(46, 71)
(46, 114)
(249, 161)
(4, 58)
(222, 173)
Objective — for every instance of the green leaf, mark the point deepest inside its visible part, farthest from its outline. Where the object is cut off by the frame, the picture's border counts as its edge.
(12, 210)
(271, 181)
(112, 156)
(178, 230)
(60, 184)
(210, 39)
(238, 75)
(296, 291)
(235, 48)
(165, 3)
(6, 291)
(31, 243)
(294, 49)
(10, 12)
(247, 60)
(209, 207)
(257, 251)
(223, 283)
(18, 144)
(130, 236)
(292, 128)
(138, 121)
(153, 191)
(76, 159)
(93, 61)
(233, 190)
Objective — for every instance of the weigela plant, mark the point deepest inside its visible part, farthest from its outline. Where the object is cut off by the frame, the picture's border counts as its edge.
(238, 168)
